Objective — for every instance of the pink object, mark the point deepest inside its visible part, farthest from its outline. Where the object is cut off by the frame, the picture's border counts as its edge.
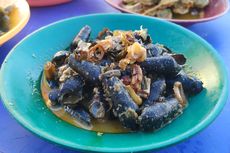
(215, 9)
(39, 3)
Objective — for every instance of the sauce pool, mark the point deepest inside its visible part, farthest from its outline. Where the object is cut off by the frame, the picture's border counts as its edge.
(105, 126)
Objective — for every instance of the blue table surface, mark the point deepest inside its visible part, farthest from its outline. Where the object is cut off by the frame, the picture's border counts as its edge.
(214, 139)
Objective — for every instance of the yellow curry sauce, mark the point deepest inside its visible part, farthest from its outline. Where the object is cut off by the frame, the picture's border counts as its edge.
(105, 126)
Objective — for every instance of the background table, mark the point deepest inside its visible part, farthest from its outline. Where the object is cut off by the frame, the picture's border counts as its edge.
(214, 139)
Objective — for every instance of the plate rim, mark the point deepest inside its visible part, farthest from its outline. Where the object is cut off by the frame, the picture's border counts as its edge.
(47, 3)
(199, 127)
(15, 30)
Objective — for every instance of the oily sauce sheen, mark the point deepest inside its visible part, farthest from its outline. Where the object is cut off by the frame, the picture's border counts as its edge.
(105, 126)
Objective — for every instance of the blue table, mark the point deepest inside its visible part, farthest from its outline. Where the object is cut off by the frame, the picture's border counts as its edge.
(214, 139)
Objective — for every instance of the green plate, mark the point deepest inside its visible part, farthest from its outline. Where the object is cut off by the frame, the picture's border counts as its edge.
(21, 71)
